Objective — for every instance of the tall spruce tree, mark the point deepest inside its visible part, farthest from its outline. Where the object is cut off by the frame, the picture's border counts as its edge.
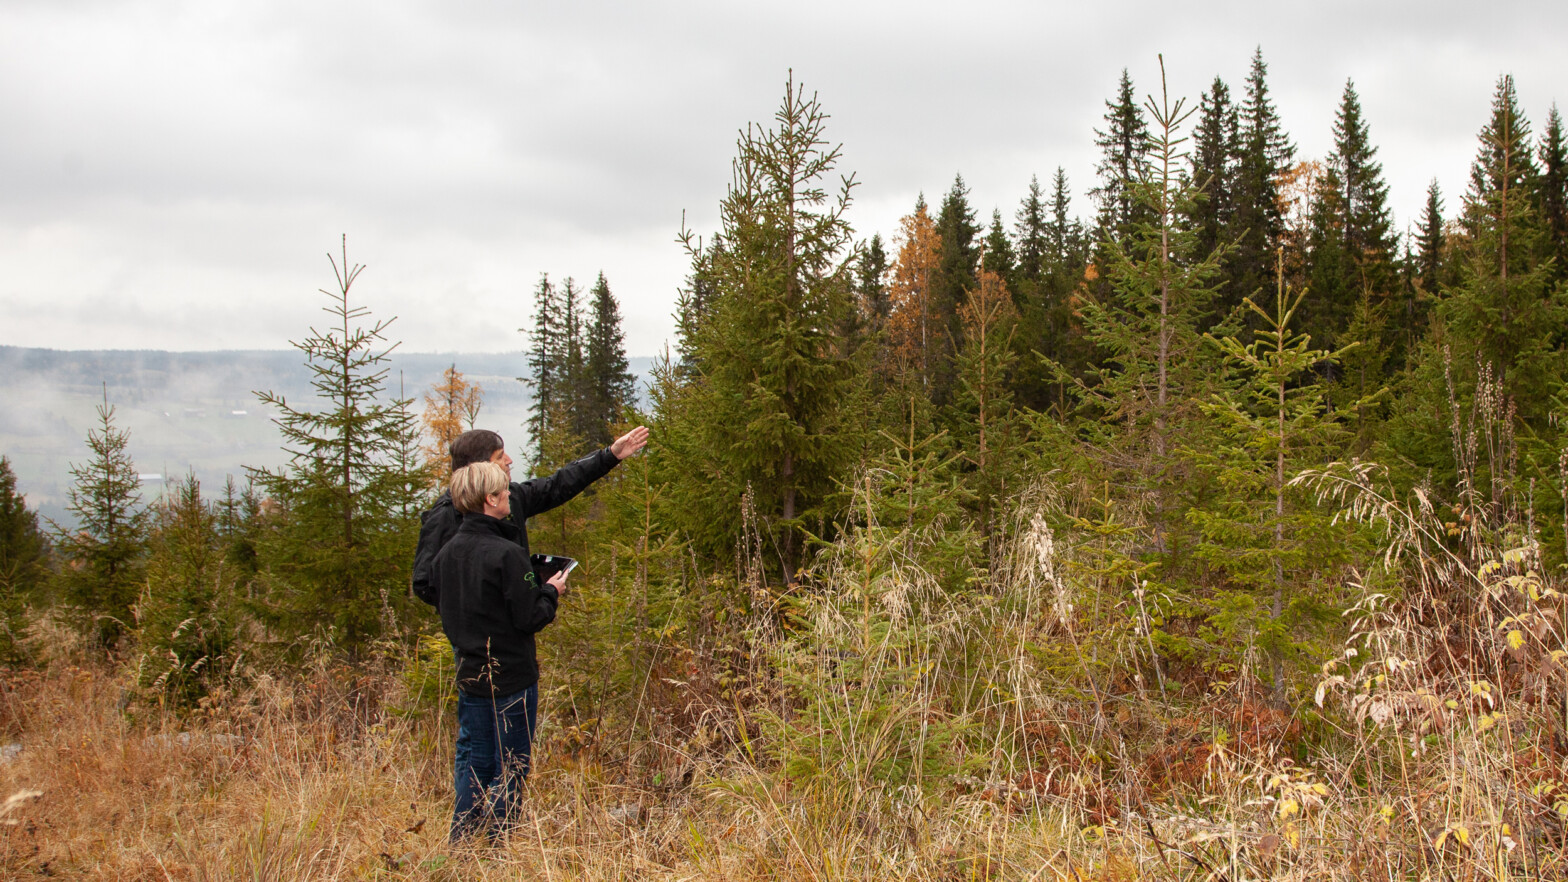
(1064, 233)
(871, 285)
(1266, 152)
(1504, 183)
(1554, 192)
(104, 556)
(335, 554)
(1424, 268)
(546, 356)
(1029, 287)
(1059, 339)
(1505, 307)
(1496, 340)
(576, 386)
(958, 259)
(1030, 233)
(1352, 247)
(766, 404)
(693, 303)
(998, 256)
(22, 545)
(611, 386)
(1430, 240)
(1124, 146)
(1215, 153)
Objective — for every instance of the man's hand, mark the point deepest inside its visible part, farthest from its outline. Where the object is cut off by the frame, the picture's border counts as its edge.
(558, 582)
(630, 443)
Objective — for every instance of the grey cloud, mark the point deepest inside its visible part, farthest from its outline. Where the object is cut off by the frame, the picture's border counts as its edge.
(204, 156)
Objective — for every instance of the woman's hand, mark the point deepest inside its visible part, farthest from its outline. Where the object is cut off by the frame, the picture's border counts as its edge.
(558, 582)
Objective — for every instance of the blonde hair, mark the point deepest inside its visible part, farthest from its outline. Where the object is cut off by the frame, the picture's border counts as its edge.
(472, 483)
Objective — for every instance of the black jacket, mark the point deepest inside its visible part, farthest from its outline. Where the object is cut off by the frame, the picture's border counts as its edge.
(531, 497)
(491, 606)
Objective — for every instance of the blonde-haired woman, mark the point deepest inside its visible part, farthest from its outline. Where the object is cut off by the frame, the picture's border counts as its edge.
(492, 605)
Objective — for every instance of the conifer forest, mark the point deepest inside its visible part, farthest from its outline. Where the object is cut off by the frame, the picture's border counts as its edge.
(1220, 535)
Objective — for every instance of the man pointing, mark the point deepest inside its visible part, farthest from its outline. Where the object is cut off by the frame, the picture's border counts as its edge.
(529, 498)
(473, 564)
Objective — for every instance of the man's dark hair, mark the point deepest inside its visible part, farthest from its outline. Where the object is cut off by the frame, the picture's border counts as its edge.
(475, 445)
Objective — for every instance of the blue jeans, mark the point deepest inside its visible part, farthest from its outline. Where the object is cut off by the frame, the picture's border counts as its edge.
(494, 746)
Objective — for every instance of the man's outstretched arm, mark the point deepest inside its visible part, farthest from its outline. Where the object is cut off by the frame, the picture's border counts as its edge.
(539, 495)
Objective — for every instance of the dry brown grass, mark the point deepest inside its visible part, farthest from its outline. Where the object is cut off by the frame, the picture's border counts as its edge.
(324, 778)
(1435, 749)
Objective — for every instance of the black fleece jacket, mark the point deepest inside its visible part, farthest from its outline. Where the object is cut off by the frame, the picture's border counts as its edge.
(491, 606)
(531, 497)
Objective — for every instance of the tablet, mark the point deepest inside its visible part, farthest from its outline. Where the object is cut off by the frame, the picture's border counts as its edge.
(547, 565)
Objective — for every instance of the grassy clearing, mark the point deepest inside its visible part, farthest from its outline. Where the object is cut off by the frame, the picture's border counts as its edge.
(338, 773)
(883, 728)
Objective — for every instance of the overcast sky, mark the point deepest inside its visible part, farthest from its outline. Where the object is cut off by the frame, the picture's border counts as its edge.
(172, 174)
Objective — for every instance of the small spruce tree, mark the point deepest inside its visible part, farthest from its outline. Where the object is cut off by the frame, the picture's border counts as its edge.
(188, 616)
(1271, 548)
(103, 557)
(1156, 290)
(1554, 192)
(335, 553)
(986, 422)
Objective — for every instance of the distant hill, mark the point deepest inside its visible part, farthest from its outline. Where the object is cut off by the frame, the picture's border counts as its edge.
(197, 412)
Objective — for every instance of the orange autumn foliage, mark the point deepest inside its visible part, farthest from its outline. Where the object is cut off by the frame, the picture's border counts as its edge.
(913, 332)
(451, 405)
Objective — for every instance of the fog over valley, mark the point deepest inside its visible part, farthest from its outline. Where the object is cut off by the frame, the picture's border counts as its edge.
(197, 412)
